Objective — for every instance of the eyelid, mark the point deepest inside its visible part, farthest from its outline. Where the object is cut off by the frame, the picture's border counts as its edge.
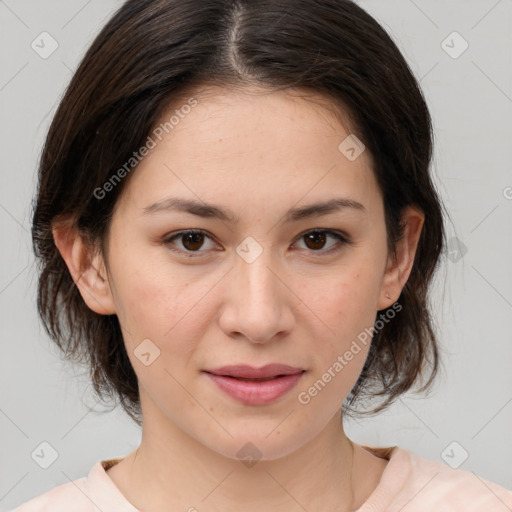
(176, 234)
(342, 237)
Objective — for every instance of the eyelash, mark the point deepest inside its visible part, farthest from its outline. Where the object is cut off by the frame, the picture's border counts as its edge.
(341, 237)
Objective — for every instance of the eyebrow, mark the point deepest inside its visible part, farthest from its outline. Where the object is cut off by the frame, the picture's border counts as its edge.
(207, 210)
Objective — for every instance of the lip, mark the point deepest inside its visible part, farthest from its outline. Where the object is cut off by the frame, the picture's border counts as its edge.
(250, 372)
(278, 380)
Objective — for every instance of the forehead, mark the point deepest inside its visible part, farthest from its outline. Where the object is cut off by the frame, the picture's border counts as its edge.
(213, 101)
(252, 144)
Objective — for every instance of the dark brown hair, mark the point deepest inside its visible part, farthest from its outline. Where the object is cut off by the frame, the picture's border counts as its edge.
(154, 51)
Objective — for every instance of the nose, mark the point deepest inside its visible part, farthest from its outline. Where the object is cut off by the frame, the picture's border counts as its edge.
(258, 303)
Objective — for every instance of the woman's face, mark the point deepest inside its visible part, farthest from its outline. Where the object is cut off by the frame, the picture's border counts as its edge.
(256, 285)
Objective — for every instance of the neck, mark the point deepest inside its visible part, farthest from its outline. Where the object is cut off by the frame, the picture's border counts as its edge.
(325, 474)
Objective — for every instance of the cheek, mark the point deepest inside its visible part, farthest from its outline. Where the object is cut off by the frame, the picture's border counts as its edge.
(346, 304)
(149, 301)
(345, 298)
(171, 308)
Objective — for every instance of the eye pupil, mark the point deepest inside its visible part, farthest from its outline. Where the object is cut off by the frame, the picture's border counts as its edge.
(317, 238)
(195, 238)
(315, 241)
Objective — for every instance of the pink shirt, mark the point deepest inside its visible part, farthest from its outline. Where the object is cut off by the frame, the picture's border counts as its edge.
(409, 484)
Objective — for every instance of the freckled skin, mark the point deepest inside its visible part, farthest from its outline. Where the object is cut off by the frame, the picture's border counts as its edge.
(258, 155)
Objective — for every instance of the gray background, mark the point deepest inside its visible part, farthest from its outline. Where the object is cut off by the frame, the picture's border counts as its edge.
(470, 96)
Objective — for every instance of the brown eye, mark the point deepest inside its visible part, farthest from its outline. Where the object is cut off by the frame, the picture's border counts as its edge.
(192, 241)
(317, 239)
(189, 242)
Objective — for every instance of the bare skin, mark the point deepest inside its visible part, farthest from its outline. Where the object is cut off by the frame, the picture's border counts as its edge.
(258, 154)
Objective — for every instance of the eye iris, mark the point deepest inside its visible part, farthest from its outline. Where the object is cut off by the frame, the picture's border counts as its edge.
(196, 240)
(193, 241)
(317, 238)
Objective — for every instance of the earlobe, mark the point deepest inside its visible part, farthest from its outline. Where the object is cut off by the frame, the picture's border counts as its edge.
(399, 268)
(86, 267)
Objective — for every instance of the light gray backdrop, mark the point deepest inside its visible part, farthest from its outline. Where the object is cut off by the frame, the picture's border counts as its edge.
(466, 422)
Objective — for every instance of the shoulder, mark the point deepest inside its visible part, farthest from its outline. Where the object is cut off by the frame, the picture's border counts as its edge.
(434, 486)
(92, 493)
(68, 497)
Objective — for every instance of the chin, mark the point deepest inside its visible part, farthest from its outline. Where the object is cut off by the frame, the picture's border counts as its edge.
(252, 445)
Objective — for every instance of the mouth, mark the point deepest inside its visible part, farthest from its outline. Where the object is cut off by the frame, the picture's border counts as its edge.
(256, 386)
(267, 372)
(253, 379)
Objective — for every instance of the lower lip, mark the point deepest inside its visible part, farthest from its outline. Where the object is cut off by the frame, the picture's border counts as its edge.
(256, 392)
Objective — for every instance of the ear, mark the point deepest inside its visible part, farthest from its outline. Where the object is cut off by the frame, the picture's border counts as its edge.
(399, 268)
(86, 267)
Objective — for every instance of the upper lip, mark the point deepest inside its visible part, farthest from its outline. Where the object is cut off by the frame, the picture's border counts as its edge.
(250, 372)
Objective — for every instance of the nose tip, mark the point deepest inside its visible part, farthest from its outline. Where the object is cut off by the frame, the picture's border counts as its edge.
(259, 338)
(260, 322)
(257, 306)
